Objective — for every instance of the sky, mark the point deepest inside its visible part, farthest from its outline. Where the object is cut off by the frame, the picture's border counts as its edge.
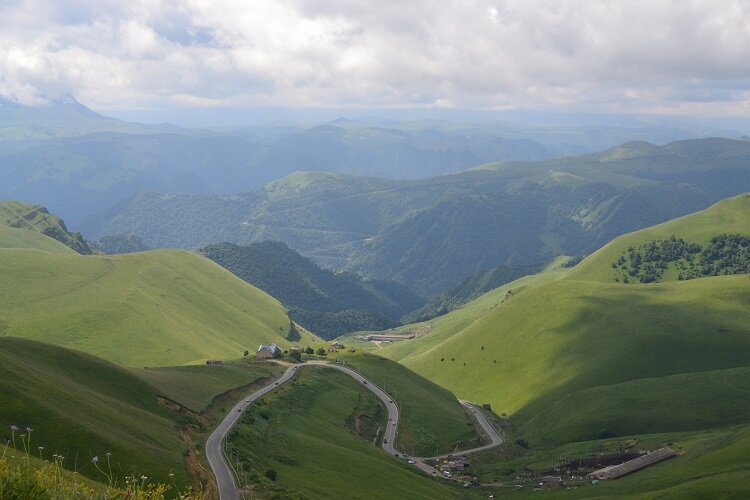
(681, 57)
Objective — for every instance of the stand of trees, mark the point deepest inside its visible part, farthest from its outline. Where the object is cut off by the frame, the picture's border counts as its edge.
(724, 254)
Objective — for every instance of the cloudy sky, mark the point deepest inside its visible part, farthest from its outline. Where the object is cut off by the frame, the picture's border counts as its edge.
(688, 57)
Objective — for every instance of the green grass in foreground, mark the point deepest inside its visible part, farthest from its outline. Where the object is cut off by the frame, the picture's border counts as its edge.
(305, 433)
(157, 308)
(432, 420)
(80, 406)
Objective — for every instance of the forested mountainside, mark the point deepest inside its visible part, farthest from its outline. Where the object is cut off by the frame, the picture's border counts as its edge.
(431, 234)
(327, 303)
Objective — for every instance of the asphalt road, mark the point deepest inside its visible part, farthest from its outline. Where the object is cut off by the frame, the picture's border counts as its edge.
(225, 476)
(214, 444)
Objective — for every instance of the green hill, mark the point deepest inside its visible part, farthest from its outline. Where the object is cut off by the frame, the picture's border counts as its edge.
(730, 216)
(575, 358)
(11, 237)
(316, 435)
(165, 307)
(328, 303)
(80, 406)
(17, 214)
(432, 420)
(468, 290)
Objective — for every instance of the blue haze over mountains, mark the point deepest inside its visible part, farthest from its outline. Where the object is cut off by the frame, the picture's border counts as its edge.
(403, 198)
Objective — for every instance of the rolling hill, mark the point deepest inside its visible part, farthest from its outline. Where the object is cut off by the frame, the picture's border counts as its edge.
(581, 356)
(20, 215)
(731, 216)
(325, 302)
(165, 307)
(11, 237)
(305, 431)
(80, 406)
(432, 234)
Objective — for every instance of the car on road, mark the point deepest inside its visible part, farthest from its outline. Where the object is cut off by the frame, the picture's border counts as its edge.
(364, 382)
(385, 441)
(412, 462)
(394, 423)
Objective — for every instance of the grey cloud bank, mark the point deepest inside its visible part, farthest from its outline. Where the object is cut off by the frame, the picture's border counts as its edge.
(657, 56)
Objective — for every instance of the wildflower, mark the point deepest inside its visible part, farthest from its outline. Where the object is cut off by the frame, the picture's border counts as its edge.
(95, 459)
(14, 428)
(29, 430)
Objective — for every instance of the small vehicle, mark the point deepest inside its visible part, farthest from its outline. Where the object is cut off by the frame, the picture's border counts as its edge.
(394, 423)
(412, 462)
(364, 382)
(385, 441)
(275, 383)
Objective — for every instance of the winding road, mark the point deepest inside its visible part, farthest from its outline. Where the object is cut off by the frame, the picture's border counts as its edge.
(225, 475)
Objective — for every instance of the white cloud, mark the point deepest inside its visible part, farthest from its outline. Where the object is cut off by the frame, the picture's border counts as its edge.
(664, 55)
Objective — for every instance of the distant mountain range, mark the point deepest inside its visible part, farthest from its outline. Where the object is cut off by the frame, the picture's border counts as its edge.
(79, 163)
(431, 234)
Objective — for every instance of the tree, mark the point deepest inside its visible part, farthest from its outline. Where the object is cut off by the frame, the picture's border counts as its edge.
(246, 352)
(309, 350)
(271, 474)
(295, 355)
(321, 351)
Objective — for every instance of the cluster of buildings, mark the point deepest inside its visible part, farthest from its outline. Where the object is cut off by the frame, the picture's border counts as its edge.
(452, 464)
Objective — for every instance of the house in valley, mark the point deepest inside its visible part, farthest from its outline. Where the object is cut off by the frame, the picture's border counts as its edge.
(269, 351)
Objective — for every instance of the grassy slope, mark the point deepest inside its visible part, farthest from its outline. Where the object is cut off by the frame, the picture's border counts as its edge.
(728, 216)
(436, 331)
(710, 464)
(432, 420)
(306, 440)
(568, 335)
(570, 358)
(23, 215)
(147, 309)
(81, 406)
(196, 386)
(11, 237)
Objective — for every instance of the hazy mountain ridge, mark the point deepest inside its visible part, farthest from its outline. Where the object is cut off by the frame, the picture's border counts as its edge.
(433, 233)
